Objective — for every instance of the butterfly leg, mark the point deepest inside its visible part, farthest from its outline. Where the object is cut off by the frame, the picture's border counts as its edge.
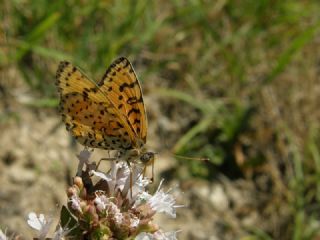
(106, 159)
(145, 170)
(152, 171)
(131, 180)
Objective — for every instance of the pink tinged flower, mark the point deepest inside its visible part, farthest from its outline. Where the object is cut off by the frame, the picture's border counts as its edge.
(39, 223)
(134, 222)
(159, 235)
(101, 202)
(75, 203)
(115, 211)
(163, 202)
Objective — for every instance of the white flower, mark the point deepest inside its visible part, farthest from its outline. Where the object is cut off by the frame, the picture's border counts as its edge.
(121, 178)
(135, 183)
(131, 185)
(116, 177)
(116, 212)
(36, 222)
(3, 235)
(166, 236)
(163, 202)
(134, 222)
(144, 236)
(139, 186)
(40, 224)
(142, 199)
(101, 202)
(102, 175)
(75, 203)
(121, 174)
(60, 233)
(159, 235)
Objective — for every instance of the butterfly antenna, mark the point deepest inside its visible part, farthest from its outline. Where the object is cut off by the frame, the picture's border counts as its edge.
(202, 159)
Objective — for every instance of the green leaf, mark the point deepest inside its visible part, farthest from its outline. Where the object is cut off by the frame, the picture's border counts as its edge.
(37, 33)
(296, 45)
(44, 102)
(68, 221)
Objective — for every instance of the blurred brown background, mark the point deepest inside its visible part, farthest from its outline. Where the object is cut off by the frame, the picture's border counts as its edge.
(235, 81)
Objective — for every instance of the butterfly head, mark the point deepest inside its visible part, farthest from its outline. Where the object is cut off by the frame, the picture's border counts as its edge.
(139, 155)
(147, 158)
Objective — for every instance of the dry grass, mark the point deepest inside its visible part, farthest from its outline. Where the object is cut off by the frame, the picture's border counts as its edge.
(237, 81)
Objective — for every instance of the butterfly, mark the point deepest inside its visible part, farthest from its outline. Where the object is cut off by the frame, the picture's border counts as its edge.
(109, 114)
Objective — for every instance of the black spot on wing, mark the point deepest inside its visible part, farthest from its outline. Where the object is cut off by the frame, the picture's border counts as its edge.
(126, 85)
(111, 67)
(133, 110)
(136, 121)
(133, 100)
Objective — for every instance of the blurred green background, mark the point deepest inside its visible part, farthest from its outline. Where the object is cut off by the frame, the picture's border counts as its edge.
(235, 81)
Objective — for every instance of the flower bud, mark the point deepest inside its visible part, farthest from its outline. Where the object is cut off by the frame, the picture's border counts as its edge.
(91, 210)
(78, 182)
(83, 193)
(71, 191)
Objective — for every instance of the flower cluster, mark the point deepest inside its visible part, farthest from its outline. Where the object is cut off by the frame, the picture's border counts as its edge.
(115, 206)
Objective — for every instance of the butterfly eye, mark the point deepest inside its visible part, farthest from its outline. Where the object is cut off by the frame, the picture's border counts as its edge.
(147, 157)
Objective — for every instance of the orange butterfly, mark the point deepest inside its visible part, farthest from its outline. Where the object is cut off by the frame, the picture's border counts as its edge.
(109, 114)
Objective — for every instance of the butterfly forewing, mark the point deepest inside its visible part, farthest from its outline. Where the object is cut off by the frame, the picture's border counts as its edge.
(88, 112)
(123, 89)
